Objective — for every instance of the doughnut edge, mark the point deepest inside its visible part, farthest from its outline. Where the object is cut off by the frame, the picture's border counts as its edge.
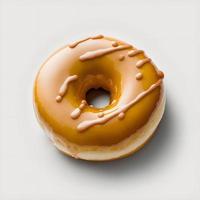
(128, 146)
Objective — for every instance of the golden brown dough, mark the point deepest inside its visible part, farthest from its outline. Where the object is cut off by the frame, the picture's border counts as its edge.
(83, 131)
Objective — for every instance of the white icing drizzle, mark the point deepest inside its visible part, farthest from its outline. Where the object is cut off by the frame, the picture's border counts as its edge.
(64, 87)
(101, 114)
(115, 44)
(77, 112)
(101, 52)
(58, 98)
(134, 52)
(76, 43)
(121, 115)
(139, 76)
(140, 63)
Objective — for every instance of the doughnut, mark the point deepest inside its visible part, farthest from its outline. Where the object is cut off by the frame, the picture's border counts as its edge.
(83, 131)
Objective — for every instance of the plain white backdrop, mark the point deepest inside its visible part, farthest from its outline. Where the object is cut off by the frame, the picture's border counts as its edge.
(166, 168)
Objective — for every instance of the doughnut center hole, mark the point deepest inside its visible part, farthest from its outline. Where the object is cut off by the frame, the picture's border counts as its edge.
(99, 98)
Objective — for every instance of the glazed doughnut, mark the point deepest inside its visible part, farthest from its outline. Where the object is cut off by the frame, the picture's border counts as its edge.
(84, 131)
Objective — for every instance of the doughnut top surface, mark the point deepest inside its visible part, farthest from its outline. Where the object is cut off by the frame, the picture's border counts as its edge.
(64, 79)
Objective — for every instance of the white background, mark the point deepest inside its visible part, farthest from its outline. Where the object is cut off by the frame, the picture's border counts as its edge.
(166, 168)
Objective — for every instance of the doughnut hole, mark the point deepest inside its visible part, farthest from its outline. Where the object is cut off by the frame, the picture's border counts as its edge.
(98, 98)
(93, 76)
(98, 90)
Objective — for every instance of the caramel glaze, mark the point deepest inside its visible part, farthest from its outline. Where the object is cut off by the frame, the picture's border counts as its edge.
(132, 100)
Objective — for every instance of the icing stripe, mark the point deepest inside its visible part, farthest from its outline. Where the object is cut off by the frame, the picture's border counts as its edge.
(160, 74)
(115, 44)
(140, 63)
(74, 44)
(97, 37)
(101, 52)
(134, 52)
(121, 116)
(139, 76)
(64, 87)
(121, 57)
(77, 112)
(89, 123)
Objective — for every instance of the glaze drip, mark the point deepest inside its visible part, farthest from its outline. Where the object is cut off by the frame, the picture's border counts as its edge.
(101, 52)
(140, 63)
(121, 115)
(77, 112)
(139, 76)
(58, 98)
(64, 87)
(121, 57)
(97, 37)
(115, 44)
(74, 44)
(101, 114)
(134, 52)
(89, 123)
(160, 74)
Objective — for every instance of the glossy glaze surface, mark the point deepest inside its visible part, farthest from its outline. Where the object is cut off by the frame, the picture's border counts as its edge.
(115, 71)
